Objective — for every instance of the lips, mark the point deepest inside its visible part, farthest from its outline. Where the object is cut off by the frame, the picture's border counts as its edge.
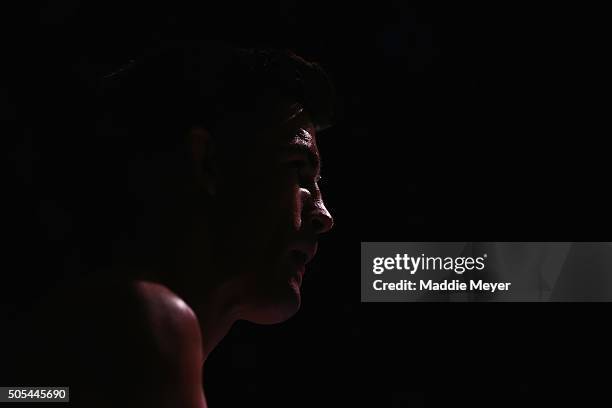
(303, 252)
(300, 253)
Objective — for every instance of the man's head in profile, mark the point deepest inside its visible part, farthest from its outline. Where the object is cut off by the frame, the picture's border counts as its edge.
(171, 198)
(215, 174)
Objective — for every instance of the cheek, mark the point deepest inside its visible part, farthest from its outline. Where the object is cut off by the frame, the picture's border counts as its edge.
(272, 221)
(266, 204)
(281, 219)
(296, 208)
(265, 207)
(289, 199)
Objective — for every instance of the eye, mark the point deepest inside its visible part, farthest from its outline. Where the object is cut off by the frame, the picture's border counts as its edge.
(299, 167)
(303, 172)
(298, 164)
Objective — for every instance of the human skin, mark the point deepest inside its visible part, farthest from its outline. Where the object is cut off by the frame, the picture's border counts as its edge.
(252, 217)
(250, 223)
(231, 241)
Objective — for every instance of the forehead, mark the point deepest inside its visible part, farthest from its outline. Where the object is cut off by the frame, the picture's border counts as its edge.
(299, 130)
(285, 128)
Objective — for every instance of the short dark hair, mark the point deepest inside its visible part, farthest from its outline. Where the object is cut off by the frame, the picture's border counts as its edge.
(85, 126)
(141, 113)
(178, 87)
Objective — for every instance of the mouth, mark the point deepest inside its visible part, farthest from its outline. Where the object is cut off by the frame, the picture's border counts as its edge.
(300, 254)
(303, 252)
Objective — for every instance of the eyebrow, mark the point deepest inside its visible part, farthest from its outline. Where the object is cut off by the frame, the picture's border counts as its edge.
(313, 158)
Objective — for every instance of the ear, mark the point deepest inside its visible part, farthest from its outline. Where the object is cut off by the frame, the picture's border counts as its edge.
(203, 155)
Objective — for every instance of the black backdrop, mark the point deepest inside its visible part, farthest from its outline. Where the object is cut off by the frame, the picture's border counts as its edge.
(457, 123)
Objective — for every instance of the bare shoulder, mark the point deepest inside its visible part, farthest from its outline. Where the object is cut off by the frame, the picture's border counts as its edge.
(147, 312)
(146, 343)
(172, 323)
(177, 346)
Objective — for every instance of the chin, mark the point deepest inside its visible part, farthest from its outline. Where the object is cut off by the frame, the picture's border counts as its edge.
(277, 305)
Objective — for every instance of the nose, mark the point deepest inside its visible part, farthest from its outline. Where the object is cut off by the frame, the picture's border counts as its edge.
(320, 218)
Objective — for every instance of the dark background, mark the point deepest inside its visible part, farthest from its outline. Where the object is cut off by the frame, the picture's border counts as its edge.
(456, 123)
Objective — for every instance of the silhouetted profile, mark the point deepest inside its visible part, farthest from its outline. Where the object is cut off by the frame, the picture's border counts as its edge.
(183, 192)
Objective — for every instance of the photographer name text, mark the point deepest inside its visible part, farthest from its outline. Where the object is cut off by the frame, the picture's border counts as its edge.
(453, 285)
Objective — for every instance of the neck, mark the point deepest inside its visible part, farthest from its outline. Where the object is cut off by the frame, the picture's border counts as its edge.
(215, 300)
(215, 307)
(216, 314)
(193, 274)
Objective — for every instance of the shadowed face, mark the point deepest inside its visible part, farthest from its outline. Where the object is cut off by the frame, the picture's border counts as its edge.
(271, 212)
